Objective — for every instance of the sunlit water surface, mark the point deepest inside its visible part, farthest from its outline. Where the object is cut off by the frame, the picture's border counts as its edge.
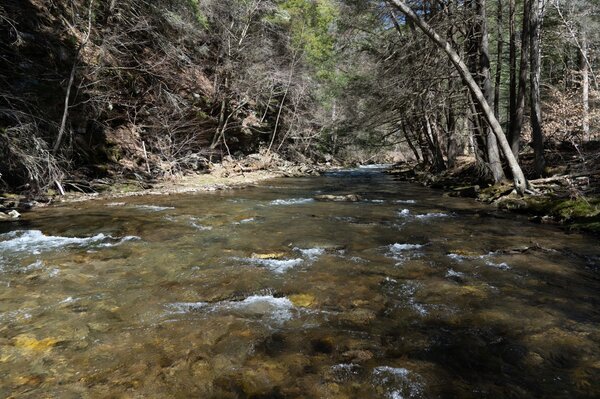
(266, 293)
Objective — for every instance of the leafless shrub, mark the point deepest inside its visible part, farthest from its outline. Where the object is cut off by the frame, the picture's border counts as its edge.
(26, 157)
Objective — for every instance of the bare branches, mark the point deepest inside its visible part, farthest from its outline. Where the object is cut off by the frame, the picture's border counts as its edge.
(63, 122)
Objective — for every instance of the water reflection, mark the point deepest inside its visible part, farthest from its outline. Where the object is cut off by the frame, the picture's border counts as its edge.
(265, 293)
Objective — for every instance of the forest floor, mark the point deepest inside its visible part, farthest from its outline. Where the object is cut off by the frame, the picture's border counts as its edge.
(569, 194)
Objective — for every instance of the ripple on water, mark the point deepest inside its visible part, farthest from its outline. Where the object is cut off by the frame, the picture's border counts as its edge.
(454, 273)
(406, 213)
(262, 306)
(403, 252)
(501, 266)
(154, 208)
(398, 382)
(274, 265)
(311, 253)
(35, 242)
(292, 201)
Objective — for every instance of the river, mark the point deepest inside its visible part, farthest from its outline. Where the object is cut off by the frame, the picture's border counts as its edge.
(266, 293)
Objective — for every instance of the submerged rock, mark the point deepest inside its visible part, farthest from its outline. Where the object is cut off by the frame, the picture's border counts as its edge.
(302, 300)
(270, 255)
(359, 316)
(338, 198)
(30, 343)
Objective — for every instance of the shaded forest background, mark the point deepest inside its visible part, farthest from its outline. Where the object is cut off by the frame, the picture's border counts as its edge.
(148, 89)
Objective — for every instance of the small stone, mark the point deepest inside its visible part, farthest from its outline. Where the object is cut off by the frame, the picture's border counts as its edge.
(14, 214)
(30, 343)
(270, 255)
(302, 300)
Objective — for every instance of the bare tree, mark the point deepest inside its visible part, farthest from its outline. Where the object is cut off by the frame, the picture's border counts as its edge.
(520, 182)
(535, 23)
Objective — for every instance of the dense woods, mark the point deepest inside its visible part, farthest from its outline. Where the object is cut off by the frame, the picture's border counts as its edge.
(142, 89)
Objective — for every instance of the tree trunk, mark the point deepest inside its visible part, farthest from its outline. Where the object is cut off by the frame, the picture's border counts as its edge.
(493, 155)
(512, 87)
(517, 123)
(500, 55)
(410, 143)
(585, 86)
(537, 9)
(438, 158)
(518, 177)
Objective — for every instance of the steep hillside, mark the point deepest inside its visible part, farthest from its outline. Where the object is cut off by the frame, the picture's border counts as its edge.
(145, 89)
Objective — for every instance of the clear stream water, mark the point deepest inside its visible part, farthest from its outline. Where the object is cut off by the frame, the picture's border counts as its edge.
(266, 293)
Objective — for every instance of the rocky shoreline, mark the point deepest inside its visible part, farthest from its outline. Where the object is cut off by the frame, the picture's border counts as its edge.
(229, 174)
(563, 200)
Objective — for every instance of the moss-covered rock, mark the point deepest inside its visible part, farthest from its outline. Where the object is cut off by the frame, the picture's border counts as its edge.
(575, 213)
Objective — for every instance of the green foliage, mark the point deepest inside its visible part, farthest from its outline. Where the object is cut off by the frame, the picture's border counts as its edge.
(198, 15)
(311, 25)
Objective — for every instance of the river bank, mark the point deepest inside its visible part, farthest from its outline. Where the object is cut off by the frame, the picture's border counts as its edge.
(229, 174)
(570, 200)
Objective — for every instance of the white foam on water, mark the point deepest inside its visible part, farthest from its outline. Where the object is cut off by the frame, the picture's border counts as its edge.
(395, 248)
(119, 242)
(454, 273)
(419, 308)
(200, 227)
(154, 208)
(37, 265)
(258, 305)
(431, 215)
(112, 204)
(457, 257)
(404, 212)
(186, 307)
(275, 265)
(402, 252)
(410, 201)
(34, 241)
(375, 166)
(398, 383)
(244, 221)
(345, 371)
(277, 309)
(292, 201)
(501, 266)
(311, 253)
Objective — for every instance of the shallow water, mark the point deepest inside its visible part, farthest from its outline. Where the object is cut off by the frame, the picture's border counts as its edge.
(265, 293)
